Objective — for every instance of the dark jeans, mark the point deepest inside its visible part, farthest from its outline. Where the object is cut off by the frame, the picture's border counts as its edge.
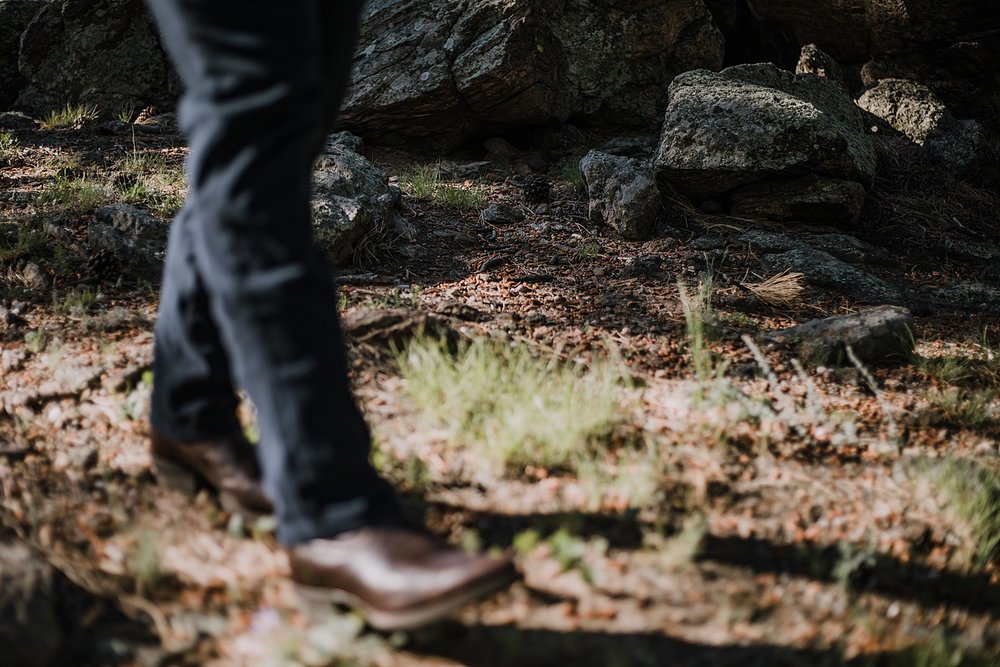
(247, 298)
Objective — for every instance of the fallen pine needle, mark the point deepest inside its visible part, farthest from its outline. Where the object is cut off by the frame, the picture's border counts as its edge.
(780, 291)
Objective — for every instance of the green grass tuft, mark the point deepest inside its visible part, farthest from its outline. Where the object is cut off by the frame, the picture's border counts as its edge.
(24, 239)
(70, 116)
(972, 492)
(77, 302)
(8, 147)
(574, 177)
(146, 179)
(513, 408)
(144, 563)
(966, 408)
(425, 182)
(73, 194)
(949, 370)
(702, 325)
(589, 250)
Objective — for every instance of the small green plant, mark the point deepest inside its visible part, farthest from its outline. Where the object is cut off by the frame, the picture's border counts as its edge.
(949, 370)
(678, 553)
(972, 492)
(36, 340)
(526, 541)
(425, 182)
(954, 406)
(144, 562)
(134, 401)
(115, 319)
(67, 193)
(514, 408)
(146, 179)
(574, 177)
(77, 302)
(396, 298)
(127, 113)
(407, 472)
(737, 319)
(589, 250)
(24, 240)
(331, 638)
(70, 116)
(701, 324)
(852, 559)
(630, 477)
(569, 551)
(8, 147)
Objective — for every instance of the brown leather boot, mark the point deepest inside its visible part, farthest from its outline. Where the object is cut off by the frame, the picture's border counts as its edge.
(227, 466)
(397, 577)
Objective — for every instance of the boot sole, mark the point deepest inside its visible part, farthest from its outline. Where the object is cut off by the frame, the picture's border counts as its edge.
(188, 482)
(319, 600)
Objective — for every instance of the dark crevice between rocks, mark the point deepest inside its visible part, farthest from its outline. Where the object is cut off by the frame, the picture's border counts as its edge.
(750, 39)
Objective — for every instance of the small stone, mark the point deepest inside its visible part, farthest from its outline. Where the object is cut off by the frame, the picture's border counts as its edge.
(876, 335)
(36, 278)
(815, 61)
(136, 223)
(115, 128)
(622, 193)
(706, 243)
(500, 214)
(644, 266)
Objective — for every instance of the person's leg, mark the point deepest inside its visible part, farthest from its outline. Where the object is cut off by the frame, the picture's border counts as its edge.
(256, 99)
(193, 397)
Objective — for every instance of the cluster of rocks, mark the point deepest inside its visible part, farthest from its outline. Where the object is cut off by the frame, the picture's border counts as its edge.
(443, 72)
(761, 142)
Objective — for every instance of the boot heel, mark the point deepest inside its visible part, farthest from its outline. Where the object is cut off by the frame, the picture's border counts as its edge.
(175, 476)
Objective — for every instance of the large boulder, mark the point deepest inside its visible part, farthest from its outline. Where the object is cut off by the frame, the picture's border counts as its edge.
(914, 109)
(15, 15)
(102, 53)
(442, 72)
(622, 193)
(754, 123)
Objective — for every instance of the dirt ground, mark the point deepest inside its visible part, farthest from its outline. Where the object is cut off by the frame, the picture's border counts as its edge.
(822, 542)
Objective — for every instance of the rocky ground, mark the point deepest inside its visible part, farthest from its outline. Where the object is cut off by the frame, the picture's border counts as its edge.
(744, 510)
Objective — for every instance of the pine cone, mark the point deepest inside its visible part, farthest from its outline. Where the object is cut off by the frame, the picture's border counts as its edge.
(536, 189)
(105, 266)
(146, 114)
